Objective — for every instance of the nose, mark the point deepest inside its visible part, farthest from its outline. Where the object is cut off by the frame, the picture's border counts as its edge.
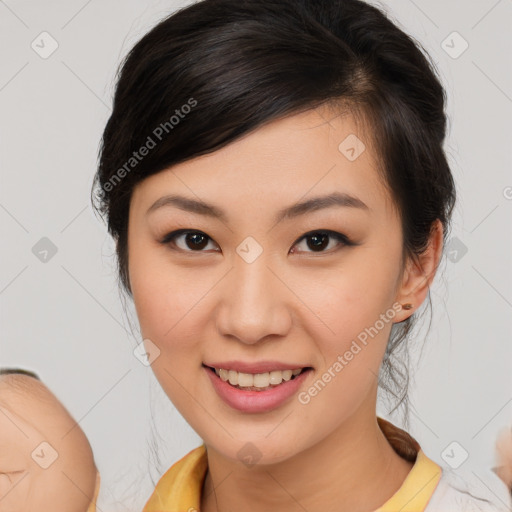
(254, 304)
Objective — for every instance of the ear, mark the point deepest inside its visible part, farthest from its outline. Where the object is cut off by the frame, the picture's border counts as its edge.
(419, 273)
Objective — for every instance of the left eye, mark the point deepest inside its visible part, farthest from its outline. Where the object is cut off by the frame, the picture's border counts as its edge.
(197, 241)
(319, 240)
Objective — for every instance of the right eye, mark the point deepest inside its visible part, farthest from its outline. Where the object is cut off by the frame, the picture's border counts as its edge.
(191, 241)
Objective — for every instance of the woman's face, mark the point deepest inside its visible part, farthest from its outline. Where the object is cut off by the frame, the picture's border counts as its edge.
(247, 285)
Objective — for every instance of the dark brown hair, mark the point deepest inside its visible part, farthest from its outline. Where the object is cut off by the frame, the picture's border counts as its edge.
(18, 371)
(218, 69)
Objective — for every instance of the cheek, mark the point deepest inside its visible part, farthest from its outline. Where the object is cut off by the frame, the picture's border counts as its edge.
(167, 303)
(163, 294)
(350, 300)
(351, 341)
(353, 318)
(170, 305)
(353, 338)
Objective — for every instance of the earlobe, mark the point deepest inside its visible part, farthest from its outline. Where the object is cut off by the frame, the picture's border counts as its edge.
(420, 271)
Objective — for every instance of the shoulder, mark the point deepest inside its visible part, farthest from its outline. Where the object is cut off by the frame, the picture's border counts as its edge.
(470, 491)
(180, 486)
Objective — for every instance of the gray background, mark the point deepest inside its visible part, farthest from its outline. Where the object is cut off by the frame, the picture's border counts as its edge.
(63, 317)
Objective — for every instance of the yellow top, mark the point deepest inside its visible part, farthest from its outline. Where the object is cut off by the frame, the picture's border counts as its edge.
(92, 506)
(179, 489)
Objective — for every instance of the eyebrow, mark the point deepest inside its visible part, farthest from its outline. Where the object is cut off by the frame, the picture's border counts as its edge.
(293, 211)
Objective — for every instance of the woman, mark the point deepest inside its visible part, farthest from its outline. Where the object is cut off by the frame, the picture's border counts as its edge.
(274, 178)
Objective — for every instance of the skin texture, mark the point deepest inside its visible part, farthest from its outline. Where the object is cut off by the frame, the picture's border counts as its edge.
(291, 304)
(30, 415)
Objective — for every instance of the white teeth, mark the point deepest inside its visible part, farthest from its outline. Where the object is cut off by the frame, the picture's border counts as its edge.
(258, 380)
(261, 380)
(233, 377)
(287, 374)
(275, 377)
(245, 380)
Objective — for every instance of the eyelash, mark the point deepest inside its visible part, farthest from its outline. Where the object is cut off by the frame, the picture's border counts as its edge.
(169, 239)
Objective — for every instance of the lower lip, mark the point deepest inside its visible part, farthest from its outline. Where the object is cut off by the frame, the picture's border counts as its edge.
(256, 401)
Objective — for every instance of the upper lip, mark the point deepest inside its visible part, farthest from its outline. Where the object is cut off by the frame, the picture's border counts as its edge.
(255, 367)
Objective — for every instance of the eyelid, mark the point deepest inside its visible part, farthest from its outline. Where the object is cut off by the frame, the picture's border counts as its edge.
(168, 238)
(333, 234)
(342, 239)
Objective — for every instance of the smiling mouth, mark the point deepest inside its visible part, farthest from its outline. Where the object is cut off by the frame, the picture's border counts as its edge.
(256, 381)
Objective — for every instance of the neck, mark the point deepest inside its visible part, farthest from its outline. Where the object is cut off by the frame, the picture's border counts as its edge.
(353, 469)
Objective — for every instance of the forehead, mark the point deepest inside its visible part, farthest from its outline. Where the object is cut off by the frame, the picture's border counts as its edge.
(308, 154)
